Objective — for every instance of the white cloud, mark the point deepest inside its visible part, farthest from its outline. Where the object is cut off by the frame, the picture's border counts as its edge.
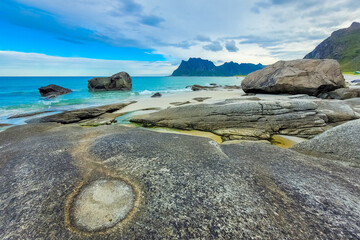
(34, 64)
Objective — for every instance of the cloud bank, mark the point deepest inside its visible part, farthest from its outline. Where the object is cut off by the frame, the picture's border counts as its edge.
(241, 31)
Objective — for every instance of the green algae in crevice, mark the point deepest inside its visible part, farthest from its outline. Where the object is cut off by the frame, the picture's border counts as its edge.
(285, 141)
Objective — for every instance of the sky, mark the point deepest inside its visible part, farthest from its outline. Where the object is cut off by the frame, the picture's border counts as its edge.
(150, 38)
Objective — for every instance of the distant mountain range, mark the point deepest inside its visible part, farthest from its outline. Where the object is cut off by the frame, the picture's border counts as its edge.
(343, 45)
(201, 67)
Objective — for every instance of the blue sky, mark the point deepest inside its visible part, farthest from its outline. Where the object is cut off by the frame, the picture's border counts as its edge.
(91, 37)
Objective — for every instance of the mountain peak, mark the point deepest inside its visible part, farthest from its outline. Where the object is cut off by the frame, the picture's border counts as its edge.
(355, 25)
(343, 45)
(202, 67)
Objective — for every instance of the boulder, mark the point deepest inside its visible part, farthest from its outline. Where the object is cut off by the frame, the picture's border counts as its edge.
(308, 76)
(52, 91)
(120, 81)
(341, 142)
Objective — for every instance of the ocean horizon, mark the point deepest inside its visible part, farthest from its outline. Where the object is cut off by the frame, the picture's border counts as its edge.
(20, 95)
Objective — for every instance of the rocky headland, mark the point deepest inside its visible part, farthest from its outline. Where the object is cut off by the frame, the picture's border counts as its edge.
(201, 67)
(343, 45)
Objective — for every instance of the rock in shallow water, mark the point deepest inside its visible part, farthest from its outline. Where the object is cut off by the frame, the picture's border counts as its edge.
(52, 91)
(307, 76)
(119, 81)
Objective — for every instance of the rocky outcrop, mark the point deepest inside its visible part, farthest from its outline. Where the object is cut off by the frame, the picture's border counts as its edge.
(52, 91)
(254, 120)
(312, 77)
(243, 120)
(343, 45)
(201, 67)
(120, 81)
(337, 111)
(23, 115)
(342, 93)
(341, 142)
(213, 87)
(86, 114)
(113, 182)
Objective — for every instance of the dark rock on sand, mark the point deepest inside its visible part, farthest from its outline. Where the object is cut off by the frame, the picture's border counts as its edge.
(170, 187)
(311, 77)
(156, 95)
(243, 120)
(341, 142)
(119, 81)
(180, 103)
(52, 91)
(82, 115)
(201, 99)
(199, 87)
(5, 124)
(28, 114)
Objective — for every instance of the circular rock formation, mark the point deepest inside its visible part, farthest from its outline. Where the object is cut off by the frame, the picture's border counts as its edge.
(102, 204)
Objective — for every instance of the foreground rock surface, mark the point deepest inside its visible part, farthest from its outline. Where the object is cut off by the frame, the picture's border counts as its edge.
(251, 119)
(312, 77)
(171, 187)
(341, 142)
(119, 81)
(52, 91)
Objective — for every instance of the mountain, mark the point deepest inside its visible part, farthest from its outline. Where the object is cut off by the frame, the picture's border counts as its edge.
(343, 45)
(201, 67)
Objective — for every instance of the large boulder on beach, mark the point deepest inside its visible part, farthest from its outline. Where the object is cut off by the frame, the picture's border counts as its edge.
(119, 81)
(52, 91)
(309, 76)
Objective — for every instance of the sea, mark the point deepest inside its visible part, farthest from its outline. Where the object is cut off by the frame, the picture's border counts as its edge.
(20, 95)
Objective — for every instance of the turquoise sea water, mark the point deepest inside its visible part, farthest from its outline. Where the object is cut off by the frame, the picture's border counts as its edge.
(20, 94)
